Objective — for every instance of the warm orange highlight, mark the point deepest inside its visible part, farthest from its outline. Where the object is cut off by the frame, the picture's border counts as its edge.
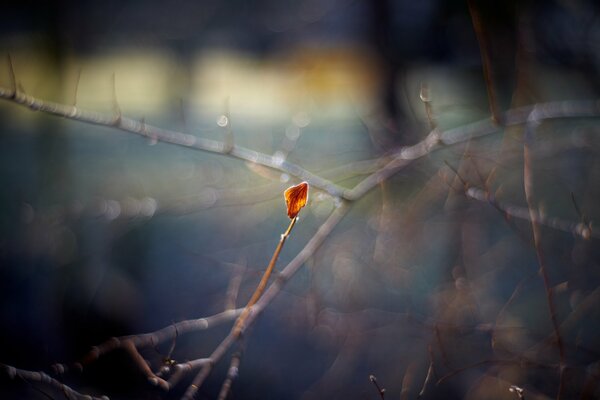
(295, 198)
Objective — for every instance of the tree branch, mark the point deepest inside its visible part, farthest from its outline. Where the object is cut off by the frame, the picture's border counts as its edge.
(43, 378)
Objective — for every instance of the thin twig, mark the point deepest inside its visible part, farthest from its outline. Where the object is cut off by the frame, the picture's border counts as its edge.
(485, 60)
(131, 125)
(380, 390)
(239, 324)
(426, 99)
(232, 373)
(12, 93)
(407, 381)
(116, 107)
(580, 229)
(151, 339)
(290, 269)
(235, 283)
(399, 159)
(427, 379)
(76, 89)
(530, 128)
(522, 363)
(183, 368)
(43, 378)
(402, 157)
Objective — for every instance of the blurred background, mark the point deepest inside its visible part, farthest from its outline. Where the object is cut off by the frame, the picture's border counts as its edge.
(104, 233)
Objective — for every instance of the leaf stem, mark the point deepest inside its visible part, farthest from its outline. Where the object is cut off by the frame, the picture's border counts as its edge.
(239, 325)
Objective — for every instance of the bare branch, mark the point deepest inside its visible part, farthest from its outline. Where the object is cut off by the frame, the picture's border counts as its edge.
(239, 324)
(43, 378)
(427, 379)
(75, 90)
(182, 369)
(485, 60)
(580, 229)
(234, 285)
(401, 158)
(425, 97)
(380, 390)
(152, 339)
(290, 269)
(232, 373)
(12, 79)
(225, 123)
(532, 124)
(117, 109)
(521, 363)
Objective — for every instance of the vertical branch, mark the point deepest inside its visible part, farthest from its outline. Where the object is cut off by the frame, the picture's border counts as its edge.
(293, 266)
(234, 285)
(485, 60)
(76, 89)
(39, 377)
(232, 373)
(426, 99)
(407, 381)
(530, 127)
(239, 325)
(224, 122)
(380, 390)
(207, 367)
(430, 373)
(117, 118)
(11, 77)
(427, 379)
(182, 114)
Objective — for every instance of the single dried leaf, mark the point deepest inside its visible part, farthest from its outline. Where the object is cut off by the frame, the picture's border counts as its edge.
(295, 198)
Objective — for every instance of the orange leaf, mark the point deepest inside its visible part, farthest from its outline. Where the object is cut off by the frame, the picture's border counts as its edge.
(295, 198)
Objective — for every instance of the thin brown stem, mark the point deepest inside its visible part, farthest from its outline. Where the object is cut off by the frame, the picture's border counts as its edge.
(485, 60)
(293, 266)
(239, 325)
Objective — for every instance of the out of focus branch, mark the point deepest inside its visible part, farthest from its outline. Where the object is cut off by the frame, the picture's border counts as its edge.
(133, 343)
(43, 378)
(141, 128)
(485, 60)
(580, 229)
(402, 157)
(382, 169)
(232, 374)
(530, 128)
(439, 139)
(286, 273)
